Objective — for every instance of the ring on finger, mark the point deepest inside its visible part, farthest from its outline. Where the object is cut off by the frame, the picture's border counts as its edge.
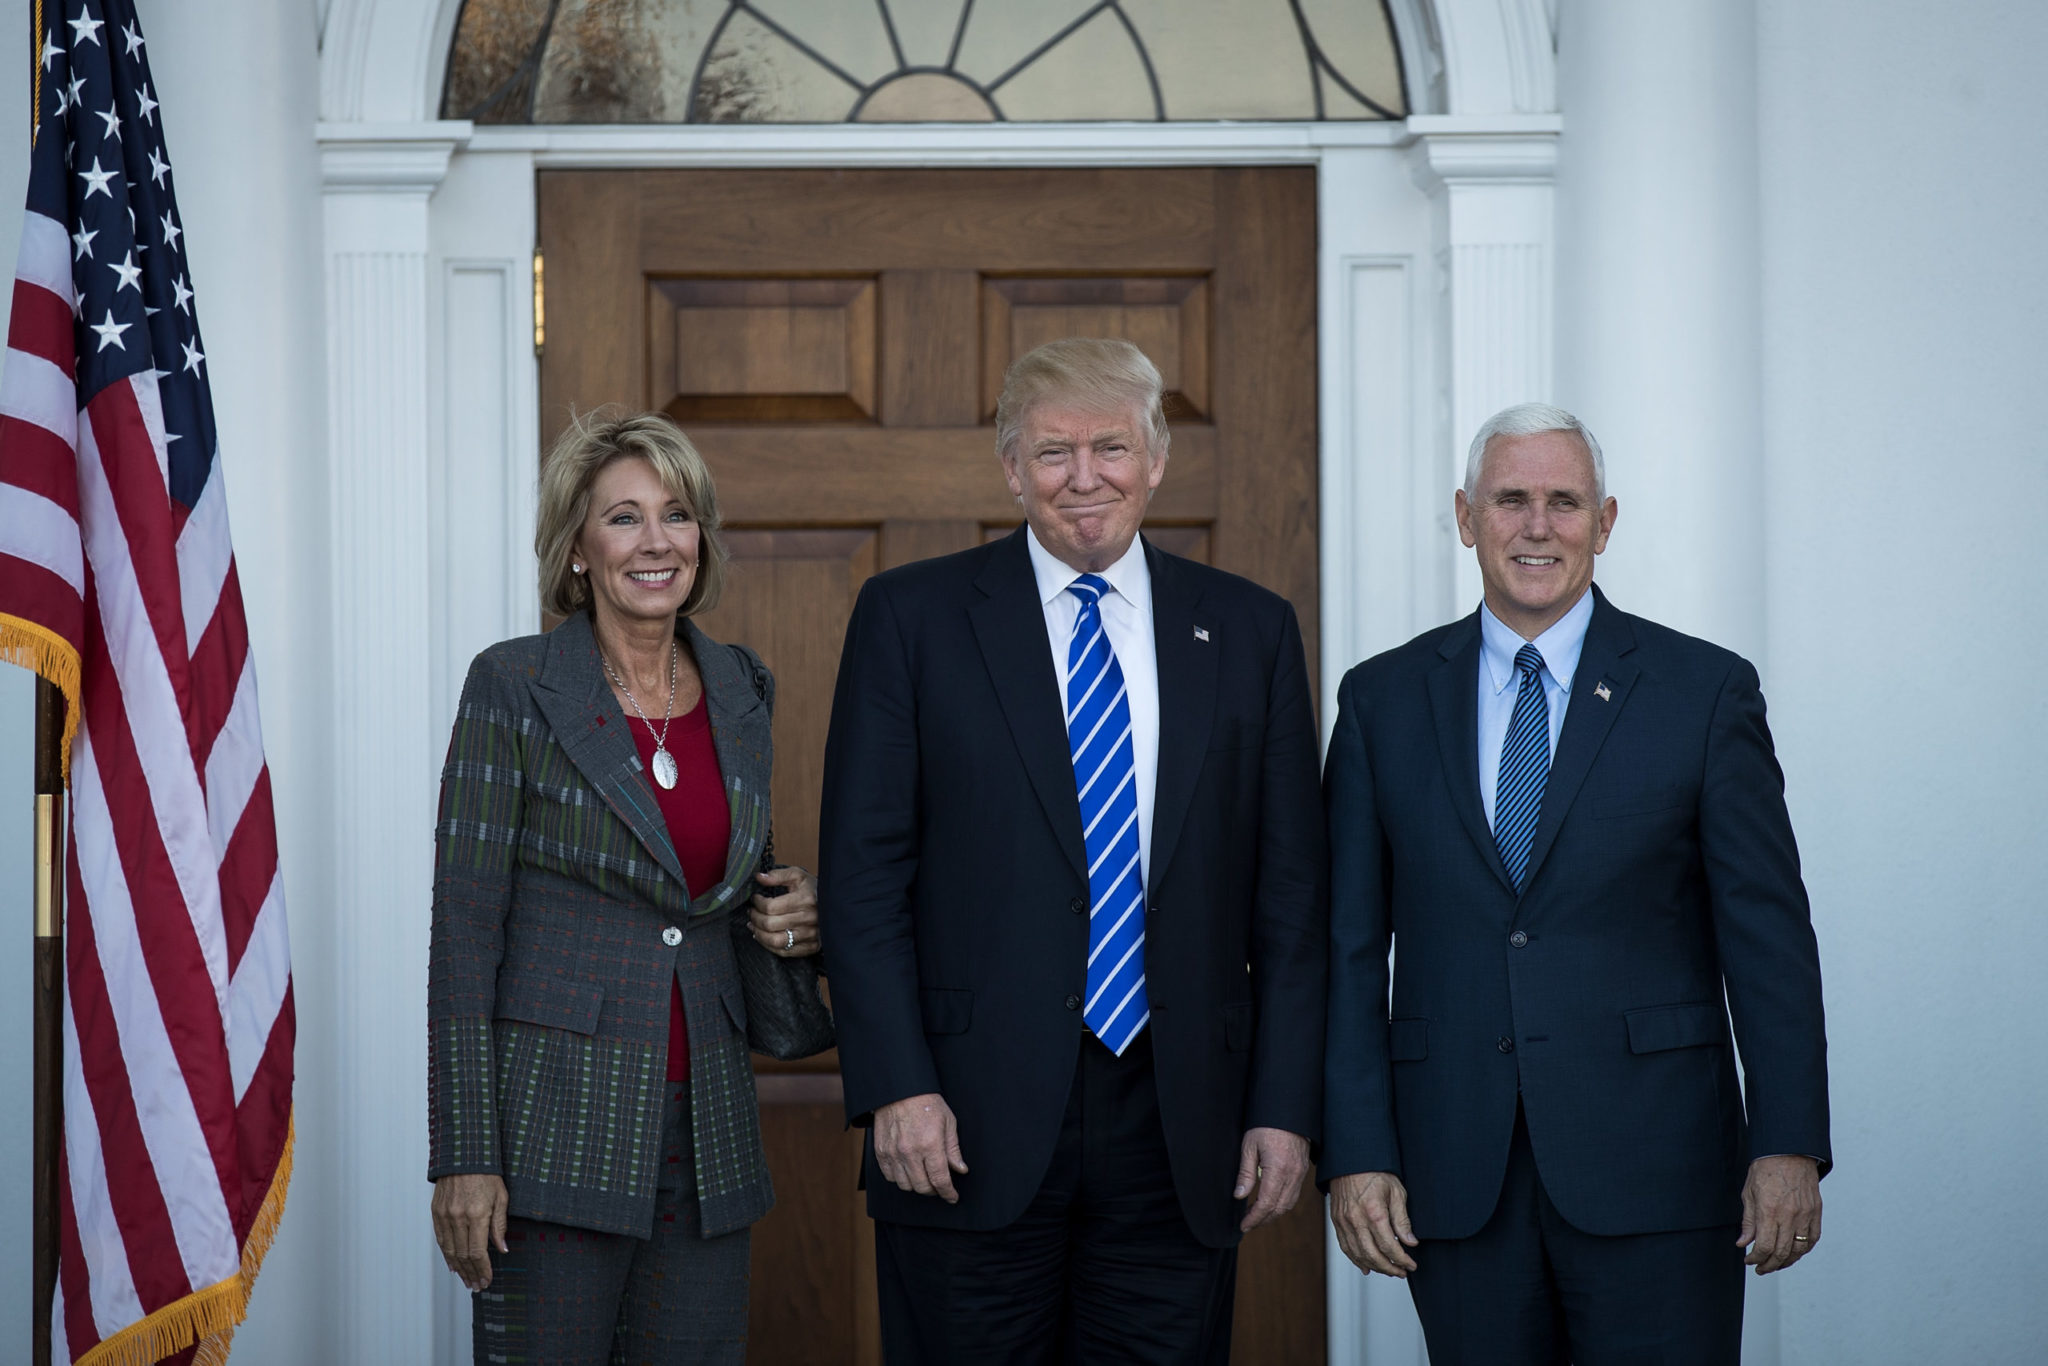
(792, 939)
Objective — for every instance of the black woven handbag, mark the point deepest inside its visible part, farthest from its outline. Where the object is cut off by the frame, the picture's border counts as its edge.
(787, 1017)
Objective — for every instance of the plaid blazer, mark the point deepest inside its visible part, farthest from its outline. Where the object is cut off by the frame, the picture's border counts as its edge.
(548, 990)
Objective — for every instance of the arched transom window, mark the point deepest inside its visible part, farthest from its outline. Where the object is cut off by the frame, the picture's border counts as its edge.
(918, 61)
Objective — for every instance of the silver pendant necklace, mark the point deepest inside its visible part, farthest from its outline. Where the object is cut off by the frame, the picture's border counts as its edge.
(665, 771)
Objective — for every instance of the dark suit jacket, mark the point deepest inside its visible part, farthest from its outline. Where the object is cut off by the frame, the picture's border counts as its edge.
(1663, 875)
(548, 991)
(955, 897)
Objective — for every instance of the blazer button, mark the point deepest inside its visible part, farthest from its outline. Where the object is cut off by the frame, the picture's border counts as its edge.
(1079, 905)
(1506, 1045)
(1519, 939)
(671, 936)
(1073, 1003)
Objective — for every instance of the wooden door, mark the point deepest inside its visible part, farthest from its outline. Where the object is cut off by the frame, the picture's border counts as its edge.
(834, 341)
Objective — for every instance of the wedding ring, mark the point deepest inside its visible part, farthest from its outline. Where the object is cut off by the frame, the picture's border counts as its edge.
(792, 939)
(1800, 1238)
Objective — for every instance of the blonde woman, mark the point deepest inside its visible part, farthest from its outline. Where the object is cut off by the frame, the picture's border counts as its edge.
(599, 897)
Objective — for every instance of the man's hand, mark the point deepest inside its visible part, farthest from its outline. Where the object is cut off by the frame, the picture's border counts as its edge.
(1780, 1212)
(917, 1145)
(1370, 1210)
(1270, 1171)
(469, 1220)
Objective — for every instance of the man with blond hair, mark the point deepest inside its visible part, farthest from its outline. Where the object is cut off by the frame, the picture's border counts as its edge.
(1072, 866)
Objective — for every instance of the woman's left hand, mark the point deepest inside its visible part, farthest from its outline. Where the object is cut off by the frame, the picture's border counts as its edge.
(786, 925)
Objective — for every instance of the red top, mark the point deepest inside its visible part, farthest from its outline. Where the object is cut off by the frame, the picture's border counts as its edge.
(699, 825)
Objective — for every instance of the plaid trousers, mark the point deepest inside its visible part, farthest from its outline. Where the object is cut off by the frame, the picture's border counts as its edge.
(566, 1296)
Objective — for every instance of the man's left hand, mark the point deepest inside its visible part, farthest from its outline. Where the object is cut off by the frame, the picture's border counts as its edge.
(1270, 1174)
(1780, 1212)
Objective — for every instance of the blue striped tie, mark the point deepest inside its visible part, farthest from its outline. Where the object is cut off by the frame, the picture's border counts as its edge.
(1524, 768)
(1106, 778)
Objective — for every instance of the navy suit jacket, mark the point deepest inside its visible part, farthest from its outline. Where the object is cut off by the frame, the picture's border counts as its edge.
(954, 892)
(1663, 881)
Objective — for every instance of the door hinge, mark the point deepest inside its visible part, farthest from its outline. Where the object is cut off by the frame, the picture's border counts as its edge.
(540, 304)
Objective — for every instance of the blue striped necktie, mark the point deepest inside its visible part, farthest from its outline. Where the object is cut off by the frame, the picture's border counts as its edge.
(1106, 778)
(1524, 768)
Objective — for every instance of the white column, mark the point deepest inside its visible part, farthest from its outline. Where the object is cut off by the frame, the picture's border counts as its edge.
(377, 184)
(1493, 203)
(1658, 291)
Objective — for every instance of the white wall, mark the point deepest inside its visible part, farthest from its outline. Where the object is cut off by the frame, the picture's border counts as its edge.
(1905, 289)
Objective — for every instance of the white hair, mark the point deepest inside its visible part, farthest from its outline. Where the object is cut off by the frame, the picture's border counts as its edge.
(1532, 419)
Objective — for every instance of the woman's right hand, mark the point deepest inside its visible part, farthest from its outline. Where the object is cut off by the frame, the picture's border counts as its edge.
(469, 1220)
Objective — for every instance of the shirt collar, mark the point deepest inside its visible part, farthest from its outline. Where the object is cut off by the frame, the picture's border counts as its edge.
(1560, 646)
(1130, 577)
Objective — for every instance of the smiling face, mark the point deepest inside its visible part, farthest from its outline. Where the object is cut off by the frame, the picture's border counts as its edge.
(638, 545)
(1084, 478)
(1537, 520)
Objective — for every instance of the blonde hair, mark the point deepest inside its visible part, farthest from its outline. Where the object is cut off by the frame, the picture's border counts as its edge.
(1093, 372)
(592, 442)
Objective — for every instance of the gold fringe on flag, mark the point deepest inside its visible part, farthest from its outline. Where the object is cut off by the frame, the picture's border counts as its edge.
(43, 652)
(208, 1316)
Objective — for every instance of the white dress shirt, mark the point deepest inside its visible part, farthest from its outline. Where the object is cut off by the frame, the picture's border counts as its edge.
(1127, 620)
(1499, 682)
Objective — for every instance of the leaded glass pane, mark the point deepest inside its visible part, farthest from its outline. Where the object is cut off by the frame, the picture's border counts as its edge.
(911, 61)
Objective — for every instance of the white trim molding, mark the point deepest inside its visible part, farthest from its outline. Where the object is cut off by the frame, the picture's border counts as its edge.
(1493, 205)
(376, 192)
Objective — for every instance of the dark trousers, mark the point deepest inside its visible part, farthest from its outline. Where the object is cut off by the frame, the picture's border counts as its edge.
(573, 1297)
(1101, 1267)
(1530, 1290)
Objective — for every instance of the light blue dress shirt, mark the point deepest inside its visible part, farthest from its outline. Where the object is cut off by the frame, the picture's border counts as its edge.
(1499, 682)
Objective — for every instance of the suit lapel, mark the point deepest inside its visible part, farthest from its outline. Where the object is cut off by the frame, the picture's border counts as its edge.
(1454, 700)
(1602, 664)
(588, 725)
(1010, 627)
(1187, 701)
(741, 734)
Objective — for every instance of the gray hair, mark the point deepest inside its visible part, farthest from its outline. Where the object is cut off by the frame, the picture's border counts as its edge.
(1532, 419)
(1095, 372)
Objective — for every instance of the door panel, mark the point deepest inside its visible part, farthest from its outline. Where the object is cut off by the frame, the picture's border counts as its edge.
(834, 342)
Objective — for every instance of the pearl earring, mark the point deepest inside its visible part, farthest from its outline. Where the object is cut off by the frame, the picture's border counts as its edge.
(576, 568)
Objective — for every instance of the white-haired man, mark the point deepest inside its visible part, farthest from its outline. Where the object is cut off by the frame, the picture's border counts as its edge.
(1570, 824)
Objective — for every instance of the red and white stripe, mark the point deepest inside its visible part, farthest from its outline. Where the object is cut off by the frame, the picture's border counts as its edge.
(178, 1019)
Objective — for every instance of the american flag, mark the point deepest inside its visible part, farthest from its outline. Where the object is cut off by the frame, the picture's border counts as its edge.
(118, 582)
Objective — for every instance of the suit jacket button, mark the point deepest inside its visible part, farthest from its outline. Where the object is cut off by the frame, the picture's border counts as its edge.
(1506, 1044)
(671, 936)
(1078, 905)
(1519, 939)
(1073, 1003)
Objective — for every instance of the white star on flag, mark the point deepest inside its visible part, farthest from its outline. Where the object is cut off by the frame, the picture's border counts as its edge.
(158, 168)
(96, 180)
(130, 273)
(194, 357)
(172, 232)
(82, 240)
(85, 29)
(110, 332)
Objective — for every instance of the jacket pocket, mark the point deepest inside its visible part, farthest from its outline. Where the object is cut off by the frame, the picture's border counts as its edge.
(946, 1011)
(735, 1003)
(554, 1002)
(1407, 1040)
(1639, 804)
(1237, 1028)
(1659, 1028)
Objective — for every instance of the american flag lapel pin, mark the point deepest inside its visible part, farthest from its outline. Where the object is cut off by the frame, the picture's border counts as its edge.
(1202, 634)
(1600, 691)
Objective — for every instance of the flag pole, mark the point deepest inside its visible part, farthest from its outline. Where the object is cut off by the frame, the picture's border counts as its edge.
(49, 998)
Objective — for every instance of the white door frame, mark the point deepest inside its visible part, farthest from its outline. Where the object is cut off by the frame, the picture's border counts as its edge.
(1435, 244)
